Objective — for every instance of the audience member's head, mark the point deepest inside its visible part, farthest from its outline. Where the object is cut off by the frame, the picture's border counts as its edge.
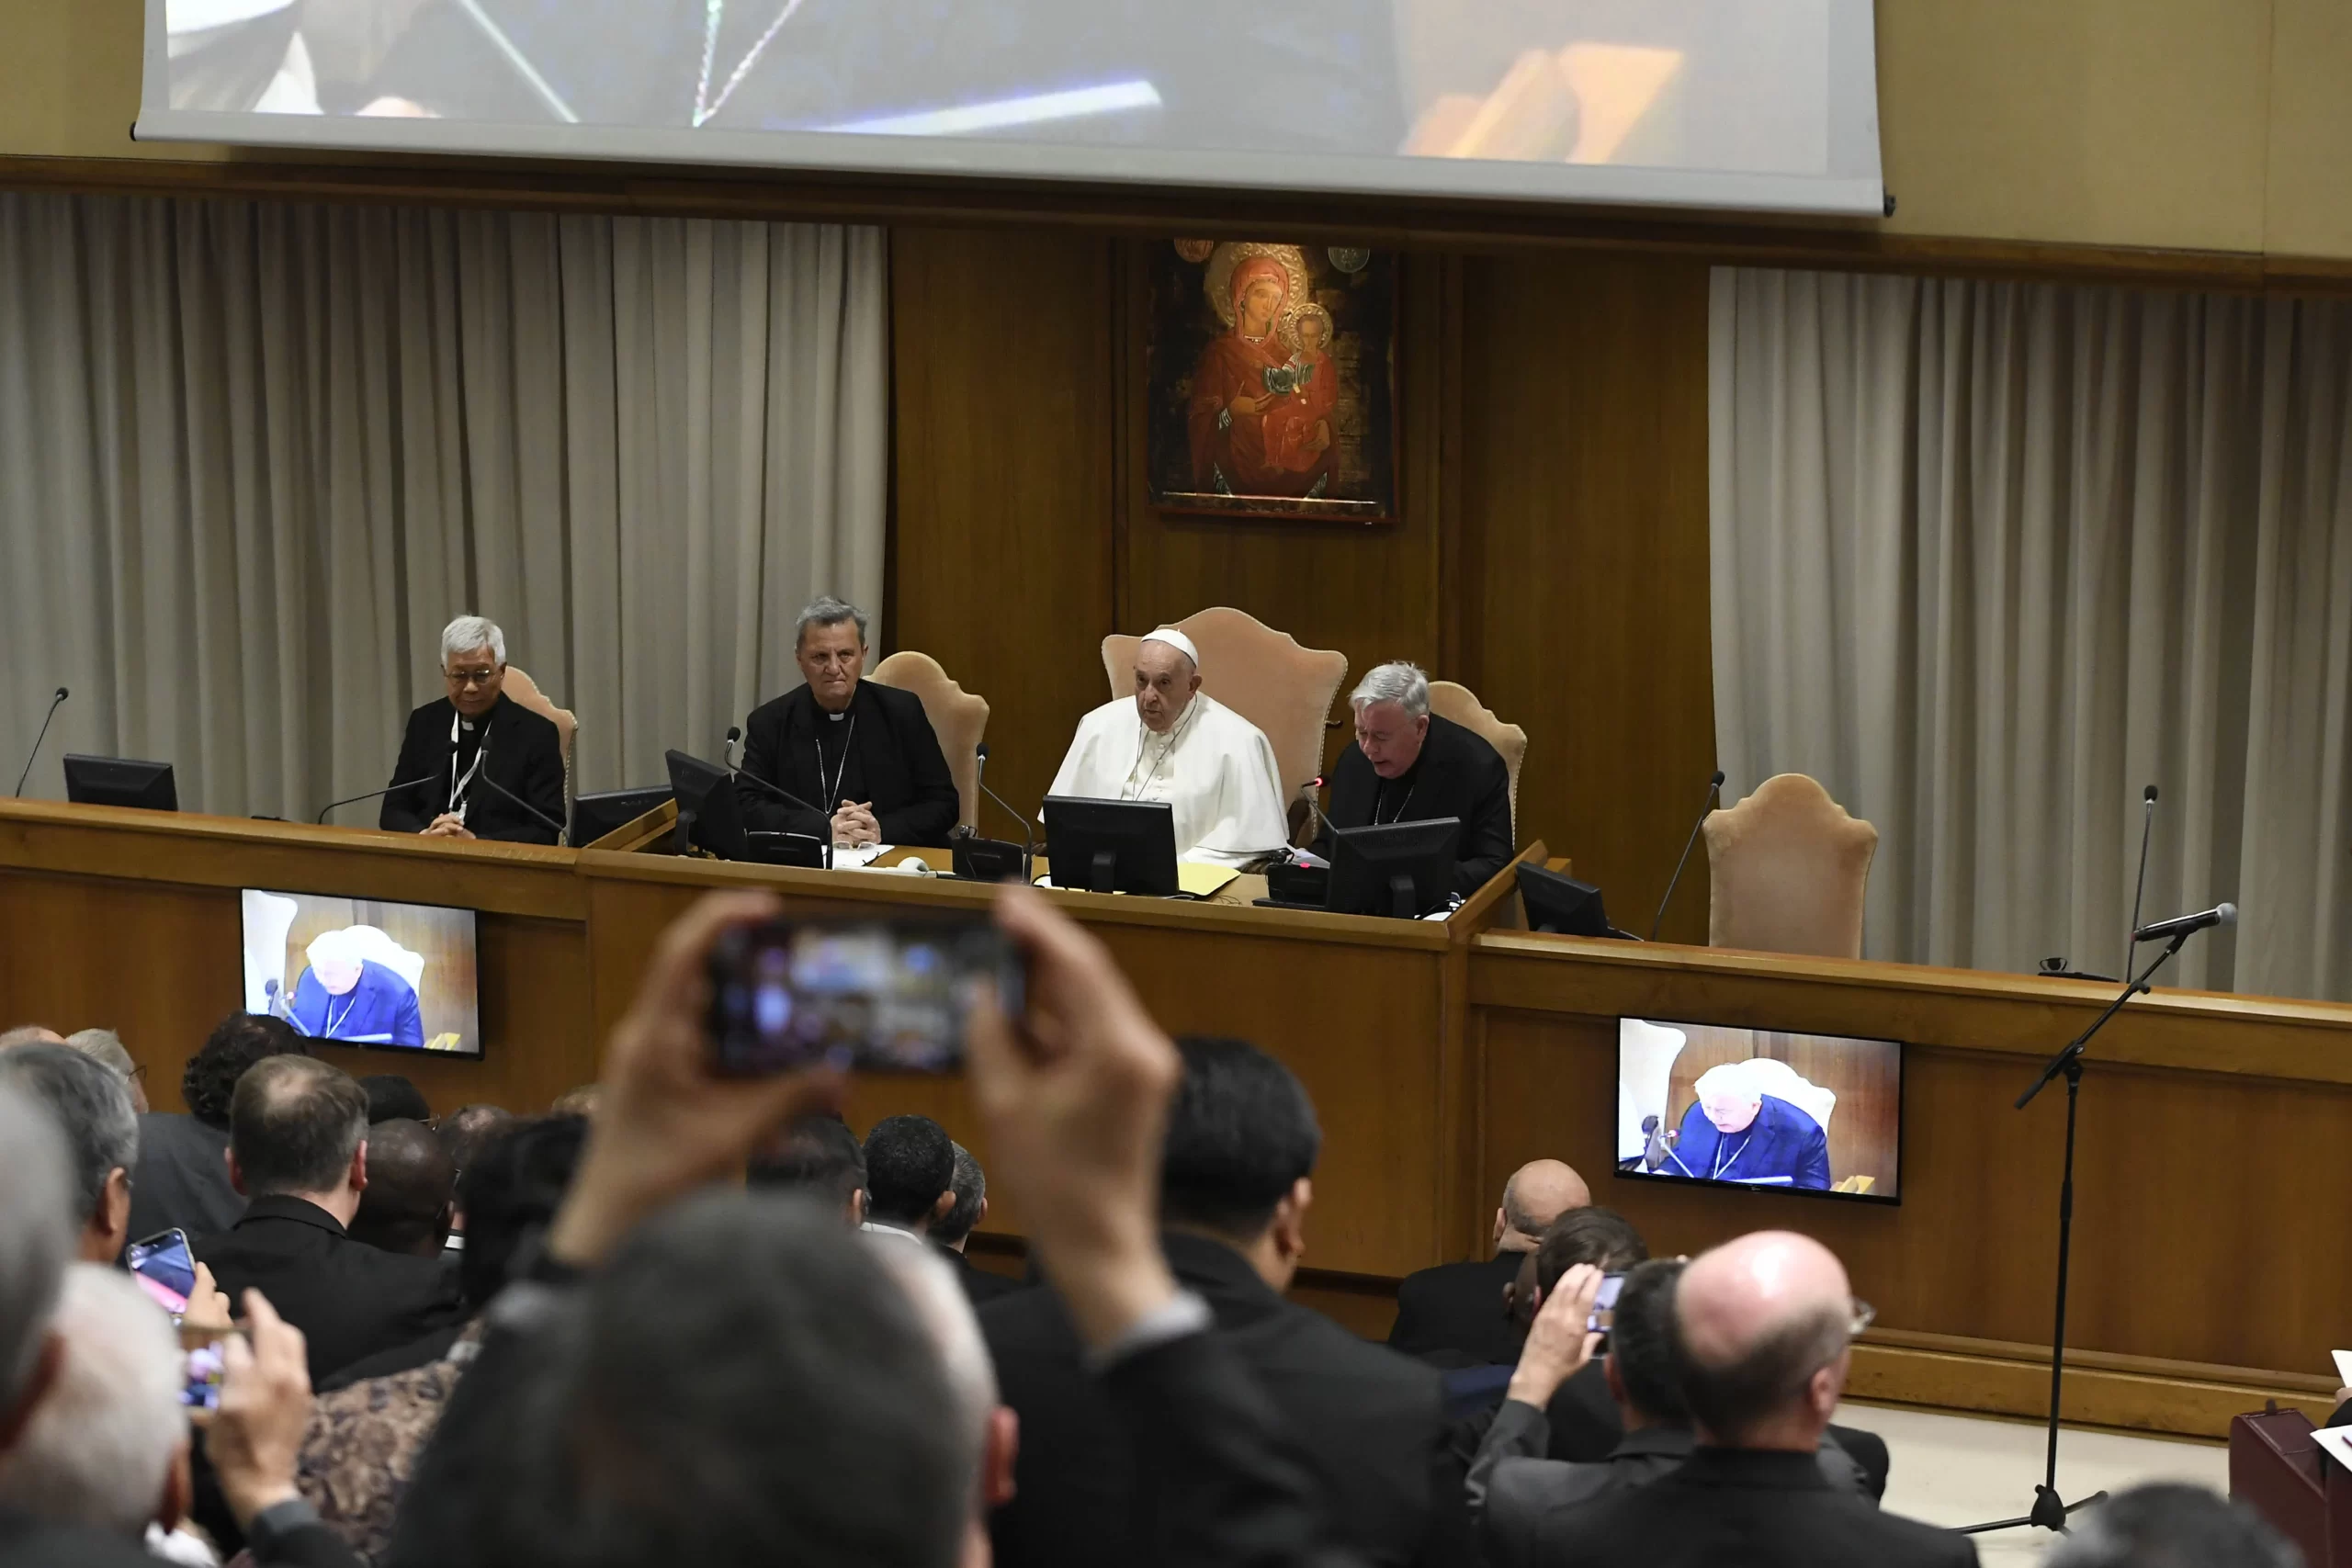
(107, 1447)
(2167, 1525)
(910, 1172)
(512, 1191)
(989, 1426)
(1537, 1193)
(297, 1127)
(35, 1243)
(410, 1179)
(645, 1424)
(1602, 1237)
(89, 1106)
(104, 1047)
(821, 1156)
(1641, 1348)
(1763, 1332)
(971, 1188)
(467, 1129)
(1241, 1146)
(581, 1101)
(236, 1043)
(30, 1034)
(393, 1098)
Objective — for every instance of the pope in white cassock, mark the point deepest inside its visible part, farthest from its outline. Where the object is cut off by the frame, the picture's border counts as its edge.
(1176, 743)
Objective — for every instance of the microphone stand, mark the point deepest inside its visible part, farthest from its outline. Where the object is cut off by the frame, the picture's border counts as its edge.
(1715, 796)
(1028, 834)
(31, 756)
(2049, 1510)
(824, 840)
(543, 817)
(319, 820)
(2140, 888)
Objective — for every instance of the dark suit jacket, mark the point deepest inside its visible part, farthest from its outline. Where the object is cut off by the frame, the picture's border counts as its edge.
(1457, 775)
(1458, 1308)
(894, 762)
(1366, 1421)
(1761, 1510)
(183, 1177)
(981, 1286)
(525, 755)
(25, 1544)
(349, 1300)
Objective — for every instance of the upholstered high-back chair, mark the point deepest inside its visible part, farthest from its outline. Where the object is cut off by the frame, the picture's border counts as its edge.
(525, 690)
(957, 716)
(1789, 869)
(1452, 700)
(1262, 674)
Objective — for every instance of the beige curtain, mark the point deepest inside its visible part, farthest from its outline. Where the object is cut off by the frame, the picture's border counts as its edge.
(1989, 557)
(253, 456)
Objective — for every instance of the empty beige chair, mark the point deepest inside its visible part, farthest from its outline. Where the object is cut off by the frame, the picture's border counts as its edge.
(1452, 700)
(1789, 869)
(525, 690)
(957, 716)
(1264, 675)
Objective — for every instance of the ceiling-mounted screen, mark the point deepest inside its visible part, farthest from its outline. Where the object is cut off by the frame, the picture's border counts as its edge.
(1767, 104)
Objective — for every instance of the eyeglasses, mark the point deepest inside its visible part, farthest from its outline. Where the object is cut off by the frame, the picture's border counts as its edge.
(469, 677)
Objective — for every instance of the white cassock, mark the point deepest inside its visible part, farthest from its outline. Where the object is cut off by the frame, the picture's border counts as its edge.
(1215, 768)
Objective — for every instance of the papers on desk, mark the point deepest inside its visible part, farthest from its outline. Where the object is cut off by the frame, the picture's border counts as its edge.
(2335, 1442)
(2343, 1367)
(1193, 877)
(859, 858)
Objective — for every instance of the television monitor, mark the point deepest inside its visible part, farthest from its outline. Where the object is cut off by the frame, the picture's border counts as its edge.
(1112, 846)
(1766, 1110)
(364, 971)
(1404, 869)
(593, 815)
(1562, 905)
(120, 781)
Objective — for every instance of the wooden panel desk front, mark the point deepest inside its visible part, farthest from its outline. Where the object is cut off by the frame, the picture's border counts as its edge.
(2212, 1251)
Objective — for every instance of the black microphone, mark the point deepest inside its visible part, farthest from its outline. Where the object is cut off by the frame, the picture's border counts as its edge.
(38, 739)
(277, 1006)
(372, 794)
(980, 777)
(543, 817)
(1314, 817)
(2140, 887)
(728, 753)
(1715, 794)
(2185, 925)
(825, 838)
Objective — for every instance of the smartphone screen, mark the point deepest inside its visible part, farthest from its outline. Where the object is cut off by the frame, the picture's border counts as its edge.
(1604, 1305)
(206, 1365)
(165, 1269)
(868, 995)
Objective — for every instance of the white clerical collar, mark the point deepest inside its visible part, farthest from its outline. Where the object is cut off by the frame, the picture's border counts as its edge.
(876, 1228)
(837, 718)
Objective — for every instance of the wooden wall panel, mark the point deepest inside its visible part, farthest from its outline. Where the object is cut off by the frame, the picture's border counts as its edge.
(1584, 594)
(1003, 426)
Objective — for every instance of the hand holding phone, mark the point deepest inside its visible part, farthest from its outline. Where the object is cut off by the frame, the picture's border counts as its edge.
(1565, 1335)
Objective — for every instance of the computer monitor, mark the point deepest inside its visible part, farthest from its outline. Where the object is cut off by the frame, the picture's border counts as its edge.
(1557, 903)
(1112, 846)
(1404, 869)
(120, 781)
(594, 815)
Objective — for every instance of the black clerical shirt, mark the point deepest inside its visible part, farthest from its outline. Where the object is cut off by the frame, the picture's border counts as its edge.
(1457, 775)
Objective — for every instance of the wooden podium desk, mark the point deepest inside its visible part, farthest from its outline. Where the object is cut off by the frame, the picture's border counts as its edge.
(2212, 1243)
(131, 920)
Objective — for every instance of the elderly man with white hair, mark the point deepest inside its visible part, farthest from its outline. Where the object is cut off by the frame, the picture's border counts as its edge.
(346, 995)
(1407, 764)
(1734, 1131)
(474, 764)
(1174, 742)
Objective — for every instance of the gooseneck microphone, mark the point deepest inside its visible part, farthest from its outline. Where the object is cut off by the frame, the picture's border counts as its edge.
(38, 740)
(1314, 817)
(786, 796)
(535, 811)
(373, 795)
(2186, 925)
(1714, 796)
(2140, 885)
(1028, 834)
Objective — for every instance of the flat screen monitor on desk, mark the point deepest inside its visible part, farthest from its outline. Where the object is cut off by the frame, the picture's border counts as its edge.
(1561, 904)
(594, 815)
(1112, 846)
(1405, 869)
(120, 781)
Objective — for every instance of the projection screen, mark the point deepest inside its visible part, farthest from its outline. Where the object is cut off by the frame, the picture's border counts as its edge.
(1760, 104)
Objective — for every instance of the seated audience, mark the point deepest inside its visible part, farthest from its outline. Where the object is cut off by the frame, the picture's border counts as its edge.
(910, 1176)
(108, 1446)
(297, 1148)
(463, 1133)
(264, 1396)
(371, 1420)
(1235, 1188)
(952, 1231)
(88, 1104)
(406, 1207)
(1517, 1495)
(1762, 1332)
(104, 1047)
(393, 1098)
(183, 1175)
(1581, 1419)
(821, 1155)
(2167, 1525)
(1455, 1314)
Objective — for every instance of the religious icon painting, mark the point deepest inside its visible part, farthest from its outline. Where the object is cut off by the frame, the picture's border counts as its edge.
(1272, 380)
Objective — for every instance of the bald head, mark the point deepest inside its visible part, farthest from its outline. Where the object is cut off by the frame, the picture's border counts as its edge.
(1537, 1193)
(1761, 1330)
